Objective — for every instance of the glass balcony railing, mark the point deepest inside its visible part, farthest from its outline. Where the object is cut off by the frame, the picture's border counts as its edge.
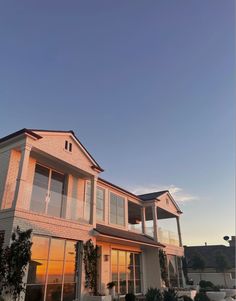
(164, 236)
(135, 227)
(149, 231)
(43, 201)
(167, 237)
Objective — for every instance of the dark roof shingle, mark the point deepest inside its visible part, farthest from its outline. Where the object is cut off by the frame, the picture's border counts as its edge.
(208, 253)
(114, 232)
(152, 195)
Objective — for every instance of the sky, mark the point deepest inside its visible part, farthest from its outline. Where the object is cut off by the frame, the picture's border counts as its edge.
(147, 86)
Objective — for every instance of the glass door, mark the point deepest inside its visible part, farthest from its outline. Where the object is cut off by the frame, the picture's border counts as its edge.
(48, 190)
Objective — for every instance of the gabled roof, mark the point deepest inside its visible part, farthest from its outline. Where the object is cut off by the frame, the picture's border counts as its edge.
(156, 195)
(152, 195)
(37, 136)
(208, 253)
(18, 133)
(127, 235)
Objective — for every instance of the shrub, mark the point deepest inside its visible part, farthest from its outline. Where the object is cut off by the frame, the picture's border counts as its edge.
(201, 296)
(111, 284)
(129, 297)
(186, 298)
(153, 294)
(170, 295)
(204, 284)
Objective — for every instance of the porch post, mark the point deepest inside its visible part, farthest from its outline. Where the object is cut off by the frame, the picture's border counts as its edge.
(179, 231)
(154, 215)
(93, 200)
(143, 215)
(21, 178)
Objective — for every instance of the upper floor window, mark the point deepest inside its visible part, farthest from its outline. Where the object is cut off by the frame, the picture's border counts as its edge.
(47, 193)
(68, 146)
(117, 209)
(88, 201)
(100, 203)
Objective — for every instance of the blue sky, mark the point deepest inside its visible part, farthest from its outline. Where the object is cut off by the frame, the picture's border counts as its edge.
(148, 87)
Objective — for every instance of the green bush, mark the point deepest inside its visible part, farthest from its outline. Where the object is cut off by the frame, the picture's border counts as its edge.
(170, 295)
(153, 294)
(201, 296)
(204, 284)
(186, 298)
(129, 297)
(208, 286)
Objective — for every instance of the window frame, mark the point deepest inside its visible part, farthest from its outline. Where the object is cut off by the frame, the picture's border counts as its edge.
(64, 260)
(49, 191)
(124, 209)
(98, 209)
(126, 265)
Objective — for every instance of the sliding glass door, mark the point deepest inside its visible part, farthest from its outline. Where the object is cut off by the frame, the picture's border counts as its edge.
(126, 271)
(47, 193)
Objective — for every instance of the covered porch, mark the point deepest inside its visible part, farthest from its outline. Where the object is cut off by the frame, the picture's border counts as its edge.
(131, 260)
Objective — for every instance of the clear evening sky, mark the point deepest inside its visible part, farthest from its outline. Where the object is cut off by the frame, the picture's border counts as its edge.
(148, 87)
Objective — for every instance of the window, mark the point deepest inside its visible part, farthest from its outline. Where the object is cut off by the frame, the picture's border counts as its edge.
(126, 271)
(100, 203)
(117, 209)
(68, 146)
(47, 193)
(88, 200)
(51, 274)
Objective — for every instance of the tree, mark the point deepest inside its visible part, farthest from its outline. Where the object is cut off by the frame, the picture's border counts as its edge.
(15, 260)
(163, 267)
(185, 269)
(222, 264)
(2, 266)
(198, 263)
(90, 259)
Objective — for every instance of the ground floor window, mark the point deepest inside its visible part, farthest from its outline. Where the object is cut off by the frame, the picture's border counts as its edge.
(175, 271)
(126, 271)
(52, 270)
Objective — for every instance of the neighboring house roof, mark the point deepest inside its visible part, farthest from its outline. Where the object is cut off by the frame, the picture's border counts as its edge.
(208, 253)
(37, 136)
(152, 195)
(128, 235)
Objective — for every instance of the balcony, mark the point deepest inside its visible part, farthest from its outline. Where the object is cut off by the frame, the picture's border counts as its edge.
(51, 203)
(168, 237)
(164, 236)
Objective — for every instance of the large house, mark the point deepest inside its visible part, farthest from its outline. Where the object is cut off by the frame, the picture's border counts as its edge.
(50, 183)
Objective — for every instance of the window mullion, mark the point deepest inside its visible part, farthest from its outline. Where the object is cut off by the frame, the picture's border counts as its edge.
(63, 270)
(126, 272)
(134, 274)
(46, 280)
(48, 191)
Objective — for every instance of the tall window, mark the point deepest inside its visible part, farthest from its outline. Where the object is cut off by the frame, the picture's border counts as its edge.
(117, 209)
(51, 274)
(126, 271)
(88, 201)
(47, 193)
(100, 204)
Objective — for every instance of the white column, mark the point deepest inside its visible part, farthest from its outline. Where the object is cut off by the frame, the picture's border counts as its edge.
(154, 215)
(179, 231)
(143, 215)
(93, 201)
(21, 184)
